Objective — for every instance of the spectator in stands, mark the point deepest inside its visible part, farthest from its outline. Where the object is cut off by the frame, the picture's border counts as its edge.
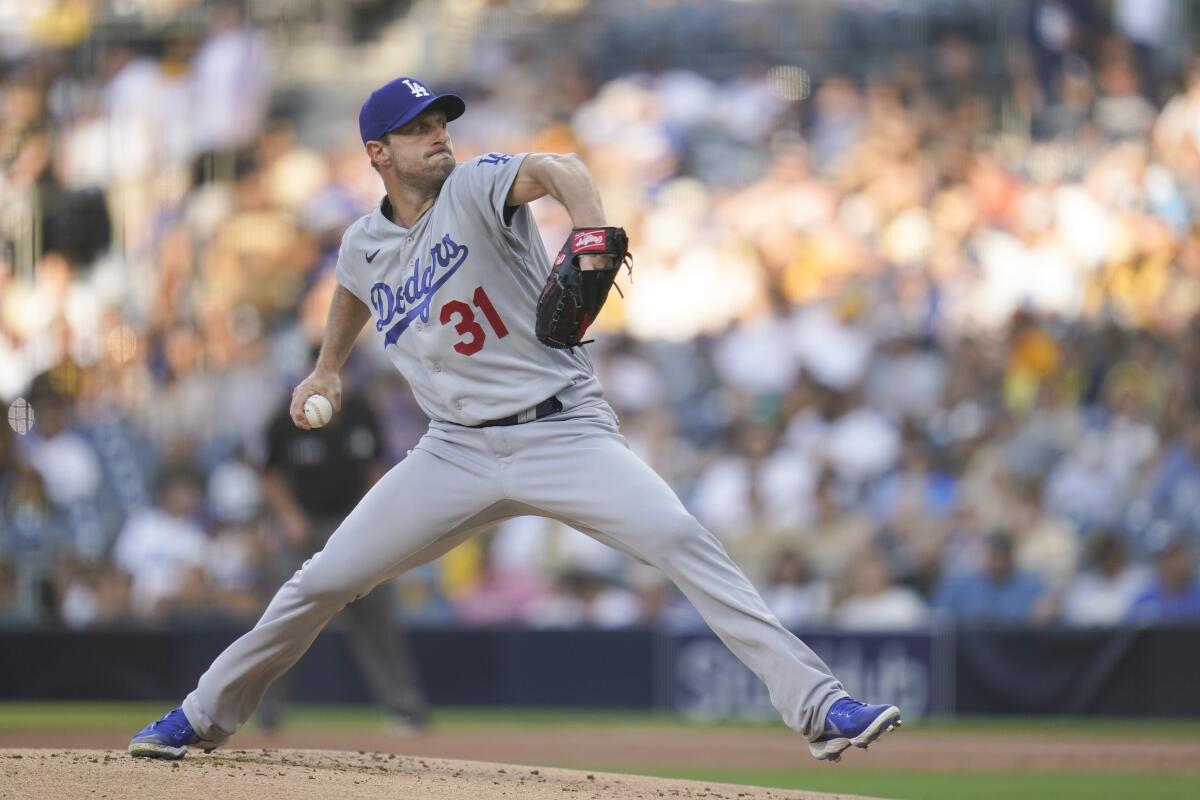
(195, 600)
(61, 454)
(8, 469)
(1105, 591)
(837, 535)
(32, 533)
(1121, 110)
(1046, 544)
(756, 494)
(503, 595)
(1086, 487)
(160, 544)
(231, 82)
(916, 489)
(875, 600)
(794, 595)
(863, 266)
(234, 569)
(584, 598)
(998, 593)
(862, 443)
(1174, 486)
(93, 595)
(1146, 25)
(1177, 132)
(131, 122)
(1174, 595)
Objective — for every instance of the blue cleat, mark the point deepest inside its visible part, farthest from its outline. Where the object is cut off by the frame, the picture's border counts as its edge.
(167, 737)
(850, 722)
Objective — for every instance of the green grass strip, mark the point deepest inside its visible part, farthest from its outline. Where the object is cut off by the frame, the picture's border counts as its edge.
(49, 716)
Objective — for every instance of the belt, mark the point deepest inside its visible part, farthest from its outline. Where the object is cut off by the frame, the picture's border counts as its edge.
(543, 409)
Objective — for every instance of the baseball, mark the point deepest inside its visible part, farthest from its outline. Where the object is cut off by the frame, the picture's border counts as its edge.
(318, 410)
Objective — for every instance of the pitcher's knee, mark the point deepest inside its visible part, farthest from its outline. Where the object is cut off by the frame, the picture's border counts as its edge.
(324, 587)
(677, 540)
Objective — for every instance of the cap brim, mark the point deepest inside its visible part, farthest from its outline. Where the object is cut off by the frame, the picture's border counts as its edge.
(452, 104)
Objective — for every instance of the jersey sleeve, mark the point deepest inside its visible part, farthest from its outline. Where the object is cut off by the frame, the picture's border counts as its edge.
(488, 179)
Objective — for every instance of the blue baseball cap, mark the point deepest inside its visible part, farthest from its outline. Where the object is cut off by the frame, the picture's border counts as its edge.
(395, 104)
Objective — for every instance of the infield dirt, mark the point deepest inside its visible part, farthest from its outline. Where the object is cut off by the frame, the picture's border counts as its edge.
(326, 774)
(700, 748)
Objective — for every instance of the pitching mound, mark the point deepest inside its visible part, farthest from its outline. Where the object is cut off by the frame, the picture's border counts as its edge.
(325, 774)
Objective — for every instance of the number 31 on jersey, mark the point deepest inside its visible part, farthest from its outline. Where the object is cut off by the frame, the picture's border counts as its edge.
(462, 316)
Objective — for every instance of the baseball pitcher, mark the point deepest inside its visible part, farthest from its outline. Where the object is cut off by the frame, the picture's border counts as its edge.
(450, 274)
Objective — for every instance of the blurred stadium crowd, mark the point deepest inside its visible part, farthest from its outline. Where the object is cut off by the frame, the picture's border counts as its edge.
(916, 338)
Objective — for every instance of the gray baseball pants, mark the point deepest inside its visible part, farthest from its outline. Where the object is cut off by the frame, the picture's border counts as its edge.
(573, 466)
(378, 642)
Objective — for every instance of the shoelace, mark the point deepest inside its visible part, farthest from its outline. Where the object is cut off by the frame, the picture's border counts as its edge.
(160, 720)
(847, 712)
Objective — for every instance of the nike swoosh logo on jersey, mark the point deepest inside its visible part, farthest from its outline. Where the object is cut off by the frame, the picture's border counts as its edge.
(371, 257)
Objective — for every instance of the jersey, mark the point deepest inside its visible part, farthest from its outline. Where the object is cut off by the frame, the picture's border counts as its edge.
(454, 298)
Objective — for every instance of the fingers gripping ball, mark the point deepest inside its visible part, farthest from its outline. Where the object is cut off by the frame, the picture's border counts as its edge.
(318, 410)
(572, 297)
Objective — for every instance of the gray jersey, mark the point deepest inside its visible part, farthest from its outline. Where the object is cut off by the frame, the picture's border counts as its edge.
(454, 298)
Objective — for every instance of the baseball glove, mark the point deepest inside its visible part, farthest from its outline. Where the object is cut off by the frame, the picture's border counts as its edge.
(572, 297)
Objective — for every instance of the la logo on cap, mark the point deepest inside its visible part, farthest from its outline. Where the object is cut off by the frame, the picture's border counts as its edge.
(417, 89)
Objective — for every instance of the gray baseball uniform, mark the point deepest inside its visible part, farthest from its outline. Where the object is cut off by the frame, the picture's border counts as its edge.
(454, 299)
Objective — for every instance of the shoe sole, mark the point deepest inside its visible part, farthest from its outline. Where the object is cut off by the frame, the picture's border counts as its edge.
(152, 750)
(832, 750)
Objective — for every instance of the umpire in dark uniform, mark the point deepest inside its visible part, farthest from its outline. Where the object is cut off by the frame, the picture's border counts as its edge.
(312, 480)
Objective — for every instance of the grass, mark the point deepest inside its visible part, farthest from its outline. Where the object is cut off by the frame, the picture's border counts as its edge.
(48, 716)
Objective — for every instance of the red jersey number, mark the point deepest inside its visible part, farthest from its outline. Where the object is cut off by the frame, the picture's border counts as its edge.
(467, 327)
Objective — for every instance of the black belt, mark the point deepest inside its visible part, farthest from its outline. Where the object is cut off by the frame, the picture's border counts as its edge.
(543, 409)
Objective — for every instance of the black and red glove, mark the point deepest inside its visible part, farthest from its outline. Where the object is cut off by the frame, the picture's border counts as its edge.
(572, 297)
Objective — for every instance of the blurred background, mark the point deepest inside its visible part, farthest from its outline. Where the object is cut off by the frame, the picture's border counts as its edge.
(912, 327)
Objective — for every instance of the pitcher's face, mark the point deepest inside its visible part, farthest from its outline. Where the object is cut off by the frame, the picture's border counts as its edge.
(420, 153)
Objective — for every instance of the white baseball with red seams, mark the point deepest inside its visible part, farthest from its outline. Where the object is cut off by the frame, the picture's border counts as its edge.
(453, 301)
(318, 411)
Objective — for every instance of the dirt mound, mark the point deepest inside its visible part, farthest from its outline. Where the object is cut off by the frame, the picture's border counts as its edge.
(324, 774)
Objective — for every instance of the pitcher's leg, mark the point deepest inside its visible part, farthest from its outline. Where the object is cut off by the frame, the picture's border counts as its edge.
(282, 565)
(423, 507)
(602, 488)
(801, 686)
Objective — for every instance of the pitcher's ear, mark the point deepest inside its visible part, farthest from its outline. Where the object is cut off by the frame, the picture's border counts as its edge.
(377, 153)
